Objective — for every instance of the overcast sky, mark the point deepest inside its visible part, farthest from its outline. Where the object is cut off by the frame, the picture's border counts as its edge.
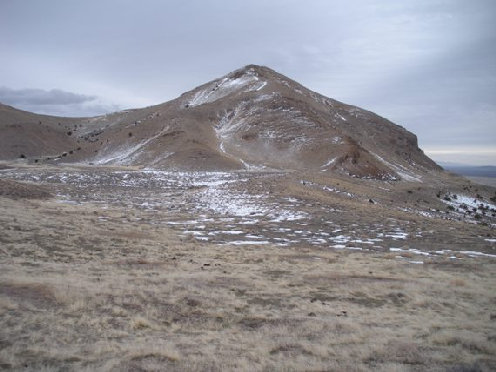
(428, 65)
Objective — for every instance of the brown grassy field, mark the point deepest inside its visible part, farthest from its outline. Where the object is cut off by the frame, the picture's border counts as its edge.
(81, 290)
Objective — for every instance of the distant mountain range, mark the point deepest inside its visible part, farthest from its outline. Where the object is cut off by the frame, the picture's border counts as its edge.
(252, 118)
(471, 170)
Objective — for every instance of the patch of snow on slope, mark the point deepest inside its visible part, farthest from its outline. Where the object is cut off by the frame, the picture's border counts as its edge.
(410, 250)
(330, 162)
(356, 112)
(226, 86)
(120, 155)
(477, 254)
(126, 154)
(221, 199)
(227, 126)
(257, 87)
(401, 171)
(252, 167)
(261, 86)
(468, 201)
(230, 122)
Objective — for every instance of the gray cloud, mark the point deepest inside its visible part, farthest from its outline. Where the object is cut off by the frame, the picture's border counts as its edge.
(55, 102)
(40, 97)
(72, 110)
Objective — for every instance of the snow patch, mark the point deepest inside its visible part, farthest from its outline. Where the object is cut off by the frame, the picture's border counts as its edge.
(226, 86)
(330, 162)
(126, 154)
(477, 254)
(400, 170)
(459, 200)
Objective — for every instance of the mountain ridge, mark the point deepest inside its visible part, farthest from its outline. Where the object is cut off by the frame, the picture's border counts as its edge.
(250, 118)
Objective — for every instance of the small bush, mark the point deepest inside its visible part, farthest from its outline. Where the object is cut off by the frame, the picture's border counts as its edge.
(139, 322)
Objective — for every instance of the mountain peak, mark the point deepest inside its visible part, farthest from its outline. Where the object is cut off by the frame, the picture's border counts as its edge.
(250, 78)
(253, 69)
(251, 118)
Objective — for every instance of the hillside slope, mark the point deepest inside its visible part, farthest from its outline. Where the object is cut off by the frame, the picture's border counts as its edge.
(252, 118)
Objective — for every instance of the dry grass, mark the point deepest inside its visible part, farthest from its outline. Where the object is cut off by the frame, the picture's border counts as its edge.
(78, 293)
(18, 190)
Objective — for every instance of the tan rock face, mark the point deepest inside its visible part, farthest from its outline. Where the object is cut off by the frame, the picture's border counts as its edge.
(251, 118)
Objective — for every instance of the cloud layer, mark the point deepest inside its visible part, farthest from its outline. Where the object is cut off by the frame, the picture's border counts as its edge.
(35, 97)
(54, 102)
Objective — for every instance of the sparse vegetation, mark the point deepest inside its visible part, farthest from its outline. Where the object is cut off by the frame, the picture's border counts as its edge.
(133, 294)
(135, 303)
